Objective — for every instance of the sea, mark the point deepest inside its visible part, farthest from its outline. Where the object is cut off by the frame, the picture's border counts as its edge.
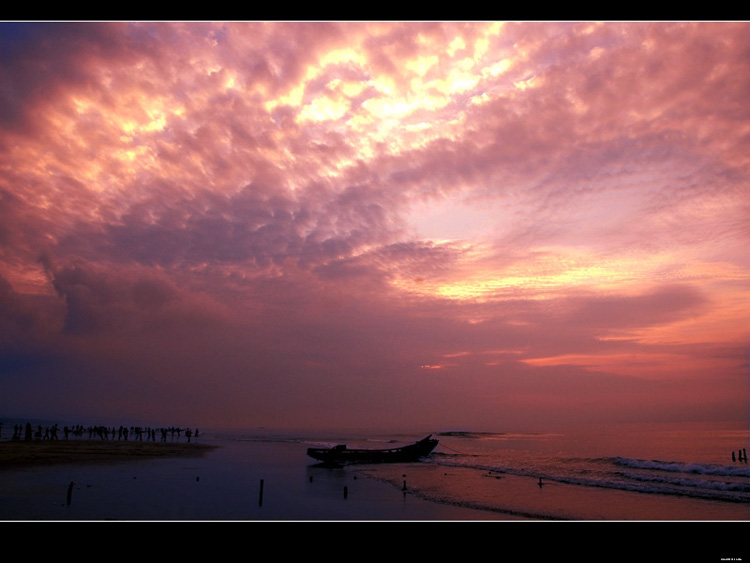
(658, 471)
(687, 472)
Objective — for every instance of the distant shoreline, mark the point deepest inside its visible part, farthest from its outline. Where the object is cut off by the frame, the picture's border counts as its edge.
(16, 454)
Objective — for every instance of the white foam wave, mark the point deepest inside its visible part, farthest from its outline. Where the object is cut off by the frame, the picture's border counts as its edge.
(680, 467)
(731, 486)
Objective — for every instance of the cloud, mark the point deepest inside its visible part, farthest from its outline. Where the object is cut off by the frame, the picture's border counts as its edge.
(257, 223)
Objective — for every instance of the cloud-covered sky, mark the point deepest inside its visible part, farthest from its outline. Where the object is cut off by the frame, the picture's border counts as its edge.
(421, 225)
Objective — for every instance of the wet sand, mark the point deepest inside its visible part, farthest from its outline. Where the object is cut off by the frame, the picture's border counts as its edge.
(260, 481)
(523, 497)
(20, 453)
(85, 480)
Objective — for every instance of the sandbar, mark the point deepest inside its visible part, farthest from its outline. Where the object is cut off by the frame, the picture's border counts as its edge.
(17, 454)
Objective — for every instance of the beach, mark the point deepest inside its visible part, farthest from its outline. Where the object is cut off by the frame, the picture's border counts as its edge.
(40, 453)
(264, 475)
(215, 479)
(523, 497)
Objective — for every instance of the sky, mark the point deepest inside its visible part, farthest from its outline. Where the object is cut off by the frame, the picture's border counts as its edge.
(403, 225)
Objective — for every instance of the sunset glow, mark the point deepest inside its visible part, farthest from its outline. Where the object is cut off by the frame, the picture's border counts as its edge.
(375, 223)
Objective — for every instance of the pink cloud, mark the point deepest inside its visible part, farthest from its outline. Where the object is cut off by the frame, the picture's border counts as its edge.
(213, 215)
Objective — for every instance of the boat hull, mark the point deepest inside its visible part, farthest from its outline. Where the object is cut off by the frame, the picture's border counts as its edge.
(341, 455)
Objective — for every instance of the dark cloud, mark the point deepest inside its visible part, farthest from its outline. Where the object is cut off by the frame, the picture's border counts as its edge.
(224, 220)
(666, 304)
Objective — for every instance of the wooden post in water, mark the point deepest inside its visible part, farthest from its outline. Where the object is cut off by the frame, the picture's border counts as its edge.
(70, 492)
(260, 496)
(346, 491)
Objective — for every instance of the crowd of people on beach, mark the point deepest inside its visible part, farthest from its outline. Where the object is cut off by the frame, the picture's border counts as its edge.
(79, 431)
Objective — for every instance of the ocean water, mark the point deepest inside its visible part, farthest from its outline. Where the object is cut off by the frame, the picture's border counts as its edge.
(251, 476)
(605, 473)
(619, 472)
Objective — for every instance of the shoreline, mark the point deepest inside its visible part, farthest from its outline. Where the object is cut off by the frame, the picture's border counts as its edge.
(83, 480)
(18, 454)
(267, 480)
(522, 498)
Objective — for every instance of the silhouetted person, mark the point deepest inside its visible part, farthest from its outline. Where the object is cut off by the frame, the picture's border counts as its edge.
(27, 433)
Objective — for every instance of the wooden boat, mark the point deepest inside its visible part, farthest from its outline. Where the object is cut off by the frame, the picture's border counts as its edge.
(341, 455)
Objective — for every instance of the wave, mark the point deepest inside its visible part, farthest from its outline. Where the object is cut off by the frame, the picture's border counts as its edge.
(602, 473)
(466, 434)
(682, 467)
(705, 484)
(494, 435)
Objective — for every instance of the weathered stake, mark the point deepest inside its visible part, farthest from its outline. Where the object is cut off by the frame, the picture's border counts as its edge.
(260, 498)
